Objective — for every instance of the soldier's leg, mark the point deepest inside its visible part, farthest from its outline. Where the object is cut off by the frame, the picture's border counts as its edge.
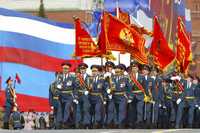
(155, 114)
(67, 110)
(179, 114)
(140, 105)
(110, 112)
(86, 111)
(78, 114)
(148, 114)
(122, 111)
(132, 113)
(191, 115)
(7, 117)
(98, 111)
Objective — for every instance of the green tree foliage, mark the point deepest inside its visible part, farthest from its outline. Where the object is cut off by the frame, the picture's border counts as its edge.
(41, 12)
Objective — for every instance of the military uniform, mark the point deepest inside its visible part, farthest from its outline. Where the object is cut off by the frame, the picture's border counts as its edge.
(68, 95)
(96, 97)
(83, 106)
(157, 98)
(54, 102)
(135, 108)
(9, 103)
(187, 101)
(148, 86)
(122, 85)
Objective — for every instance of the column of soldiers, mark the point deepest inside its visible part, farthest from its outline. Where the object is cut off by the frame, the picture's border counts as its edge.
(119, 97)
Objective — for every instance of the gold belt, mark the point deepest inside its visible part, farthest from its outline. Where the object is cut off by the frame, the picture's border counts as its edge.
(189, 98)
(67, 91)
(56, 98)
(95, 93)
(138, 91)
(81, 91)
(177, 92)
(119, 93)
(168, 97)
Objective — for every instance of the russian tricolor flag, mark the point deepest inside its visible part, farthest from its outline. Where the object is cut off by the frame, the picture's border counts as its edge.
(34, 48)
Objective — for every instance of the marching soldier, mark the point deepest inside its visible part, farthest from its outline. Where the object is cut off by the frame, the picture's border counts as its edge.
(109, 77)
(188, 101)
(83, 106)
(54, 101)
(10, 102)
(135, 108)
(148, 85)
(196, 81)
(68, 93)
(156, 95)
(177, 86)
(96, 96)
(120, 98)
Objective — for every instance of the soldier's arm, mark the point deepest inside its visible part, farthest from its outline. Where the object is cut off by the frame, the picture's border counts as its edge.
(50, 95)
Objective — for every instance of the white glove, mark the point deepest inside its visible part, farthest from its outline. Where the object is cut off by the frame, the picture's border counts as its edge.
(75, 101)
(196, 105)
(104, 102)
(129, 100)
(52, 107)
(110, 96)
(107, 74)
(178, 78)
(108, 91)
(153, 77)
(160, 105)
(164, 107)
(199, 108)
(86, 93)
(59, 86)
(178, 101)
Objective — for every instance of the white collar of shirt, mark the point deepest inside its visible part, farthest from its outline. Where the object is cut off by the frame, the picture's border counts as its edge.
(136, 76)
(145, 77)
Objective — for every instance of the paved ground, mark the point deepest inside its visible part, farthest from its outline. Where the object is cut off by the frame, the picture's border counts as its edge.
(106, 131)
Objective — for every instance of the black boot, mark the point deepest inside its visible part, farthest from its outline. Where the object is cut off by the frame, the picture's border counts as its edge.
(6, 125)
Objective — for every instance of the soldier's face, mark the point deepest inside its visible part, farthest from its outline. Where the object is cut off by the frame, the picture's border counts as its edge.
(109, 69)
(82, 71)
(10, 82)
(65, 69)
(94, 72)
(118, 71)
(134, 69)
(145, 72)
(195, 81)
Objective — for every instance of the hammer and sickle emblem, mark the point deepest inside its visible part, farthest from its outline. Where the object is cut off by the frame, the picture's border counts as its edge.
(126, 36)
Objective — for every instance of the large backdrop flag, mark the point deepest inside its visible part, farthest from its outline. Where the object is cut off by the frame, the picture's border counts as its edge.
(85, 46)
(34, 48)
(123, 38)
(183, 52)
(162, 53)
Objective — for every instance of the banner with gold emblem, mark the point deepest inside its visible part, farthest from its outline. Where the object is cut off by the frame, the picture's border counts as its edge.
(118, 36)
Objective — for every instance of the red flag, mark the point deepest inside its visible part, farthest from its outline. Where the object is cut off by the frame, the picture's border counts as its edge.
(124, 16)
(118, 36)
(17, 78)
(85, 46)
(183, 52)
(160, 49)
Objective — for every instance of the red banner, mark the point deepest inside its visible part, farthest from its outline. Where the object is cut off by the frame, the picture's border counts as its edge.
(183, 53)
(118, 36)
(160, 49)
(85, 46)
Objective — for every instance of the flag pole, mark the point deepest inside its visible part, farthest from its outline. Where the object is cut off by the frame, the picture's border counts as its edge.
(117, 11)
